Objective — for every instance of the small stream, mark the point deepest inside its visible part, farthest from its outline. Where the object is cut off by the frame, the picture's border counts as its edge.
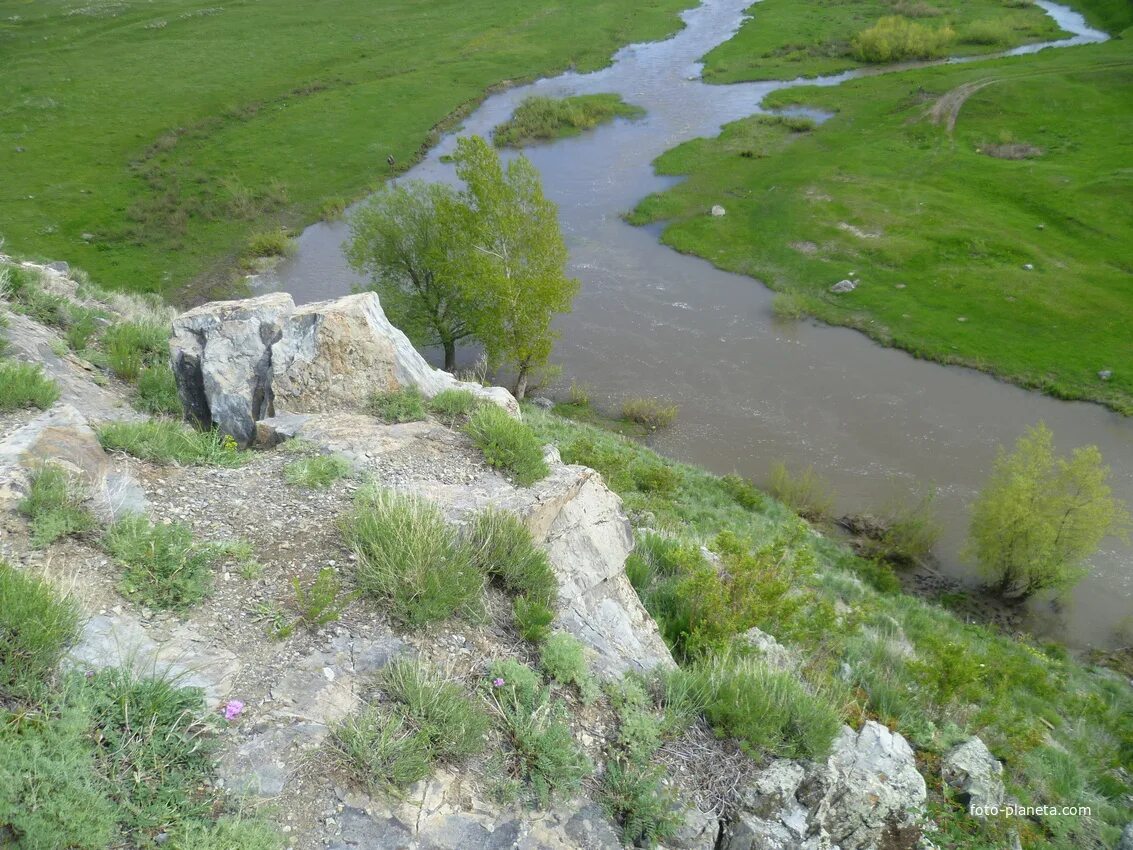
(877, 423)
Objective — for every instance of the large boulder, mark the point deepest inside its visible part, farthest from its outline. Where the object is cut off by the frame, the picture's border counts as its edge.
(238, 362)
(868, 795)
(222, 358)
(62, 437)
(973, 773)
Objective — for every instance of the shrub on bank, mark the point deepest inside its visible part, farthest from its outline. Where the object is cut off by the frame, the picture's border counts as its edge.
(652, 413)
(894, 38)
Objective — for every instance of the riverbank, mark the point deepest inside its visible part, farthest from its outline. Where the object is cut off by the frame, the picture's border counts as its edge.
(976, 210)
(169, 182)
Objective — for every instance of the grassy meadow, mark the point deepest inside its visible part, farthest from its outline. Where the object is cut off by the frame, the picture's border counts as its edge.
(147, 142)
(983, 210)
(783, 40)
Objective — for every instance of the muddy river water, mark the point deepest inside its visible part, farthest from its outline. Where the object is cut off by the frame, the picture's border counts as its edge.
(877, 423)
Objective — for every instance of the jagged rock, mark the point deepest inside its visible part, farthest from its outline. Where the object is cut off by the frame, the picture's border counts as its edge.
(718, 211)
(698, 831)
(974, 773)
(63, 437)
(222, 358)
(843, 286)
(542, 402)
(868, 795)
(236, 362)
(333, 355)
(1126, 840)
(182, 655)
(34, 343)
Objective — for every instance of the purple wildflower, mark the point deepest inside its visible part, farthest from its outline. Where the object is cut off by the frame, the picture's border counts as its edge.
(498, 683)
(233, 709)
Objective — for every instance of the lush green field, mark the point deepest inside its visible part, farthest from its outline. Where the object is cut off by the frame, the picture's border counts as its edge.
(786, 39)
(937, 226)
(540, 119)
(169, 131)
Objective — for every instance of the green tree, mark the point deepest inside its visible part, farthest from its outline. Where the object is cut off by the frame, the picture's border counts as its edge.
(1041, 516)
(515, 273)
(408, 238)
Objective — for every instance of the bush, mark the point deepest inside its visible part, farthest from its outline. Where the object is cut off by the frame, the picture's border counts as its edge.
(769, 712)
(409, 558)
(745, 494)
(166, 441)
(164, 568)
(893, 39)
(376, 749)
(1040, 517)
(503, 550)
(157, 391)
(402, 405)
(55, 506)
(35, 630)
(450, 406)
(988, 32)
(508, 444)
(269, 243)
(808, 495)
(532, 619)
(449, 721)
(318, 472)
(654, 477)
(634, 797)
(564, 660)
(319, 604)
(545, 754)
(131, 346)
(652, 413)
(25, 385)
(908, 534)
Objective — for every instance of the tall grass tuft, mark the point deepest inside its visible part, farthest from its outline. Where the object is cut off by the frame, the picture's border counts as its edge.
(35, 629)
(503, 549)
(168, 442)
(806, 494)
(163, 566)
(652, 413)
(55, 505)
(401, 405)
(410, 558)
(25, 385)
(508, 444)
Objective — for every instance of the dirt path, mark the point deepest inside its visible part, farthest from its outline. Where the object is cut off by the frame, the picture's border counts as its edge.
(947, 107)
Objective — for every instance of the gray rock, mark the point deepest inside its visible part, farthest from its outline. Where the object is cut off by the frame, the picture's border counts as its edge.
(718, 211)
(972, 772)
(62, 437)
(1029, 267)
(1126, 840)
(542, 402)
(1105, 374)
(698, 831)
(222, 359)
(748, 832)
(774, 653)
(60, 266)
(843, 286)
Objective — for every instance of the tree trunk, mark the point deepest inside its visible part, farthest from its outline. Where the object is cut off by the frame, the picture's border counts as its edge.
(450, 354)
(521, 384)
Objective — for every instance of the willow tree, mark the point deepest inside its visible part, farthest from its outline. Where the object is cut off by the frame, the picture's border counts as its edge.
(408, 239)
(1040, 516)
(515, 269)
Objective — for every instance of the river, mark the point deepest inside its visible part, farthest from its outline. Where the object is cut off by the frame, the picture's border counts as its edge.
(875, 422)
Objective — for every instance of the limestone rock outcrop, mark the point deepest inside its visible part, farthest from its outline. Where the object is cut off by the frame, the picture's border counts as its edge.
(238, 362)
(868, 795)
(973, 773)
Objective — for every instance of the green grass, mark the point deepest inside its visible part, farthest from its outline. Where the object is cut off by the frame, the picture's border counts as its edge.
(651, 413)
(961, 678)
(24, 385)
(539, 119)
(504, 551)
(562, 658)
(163, 567)
(165, 441)
(452, 723)
(35, 630)
(55, 506)
(132, 346)
(410, 559)
(453, 406)
(269, 243)
(784, 40)
(401, 405)
(378, 750)
(157, 391)
(171, 180)
(940, 232)
(508, 444)
(316, 472)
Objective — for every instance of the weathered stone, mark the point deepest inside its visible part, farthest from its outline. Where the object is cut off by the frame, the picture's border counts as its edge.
(60, 266)
(698, 831)
(748, 832)
(1105, 374)
(222, 359)
(62, 437)
(542, 402)
(333, 355)
(774, 653)
(1126, 840)
(718, 211)
(971, 771)
(34, 343)
(843, 286)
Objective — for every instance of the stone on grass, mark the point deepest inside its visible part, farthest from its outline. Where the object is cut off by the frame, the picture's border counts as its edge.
(718, 211)
(971, 771)
(843, 286)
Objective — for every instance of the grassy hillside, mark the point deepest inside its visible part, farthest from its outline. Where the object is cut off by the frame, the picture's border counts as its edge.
(984, 210)
(147, 141)
(786, 39)
(1063, 730)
